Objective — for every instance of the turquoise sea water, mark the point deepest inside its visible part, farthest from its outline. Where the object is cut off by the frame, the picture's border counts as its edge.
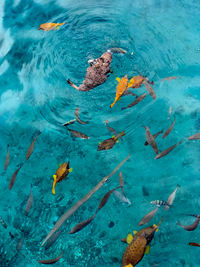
(34, 65)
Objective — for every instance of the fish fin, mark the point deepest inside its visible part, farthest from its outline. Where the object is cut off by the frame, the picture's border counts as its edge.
(100, 142)
(59, 164)
(135, 232)
(54, 176)
(118, 79)
(53, 188)
(131, 53)
(155, 227)
(147, 249)
(117, 141)
(71, 169)
(129, 265)
(129, 238)
(113, 136)
(57, 27)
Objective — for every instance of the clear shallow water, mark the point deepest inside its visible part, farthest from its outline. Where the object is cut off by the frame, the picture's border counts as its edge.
(34, 66)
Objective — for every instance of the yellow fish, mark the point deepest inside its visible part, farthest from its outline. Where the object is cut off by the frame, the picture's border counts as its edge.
(121, 88)
(50, 26)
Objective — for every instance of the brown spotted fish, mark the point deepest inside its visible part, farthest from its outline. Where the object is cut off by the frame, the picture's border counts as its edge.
(61, 174)
(109, 143)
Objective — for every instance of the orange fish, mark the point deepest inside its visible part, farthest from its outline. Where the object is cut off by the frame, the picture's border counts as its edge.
(50, 26)
(121, 88)
(136, 81)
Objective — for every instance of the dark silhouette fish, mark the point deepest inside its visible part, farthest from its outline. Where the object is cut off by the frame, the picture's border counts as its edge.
(167, 151)
(13, 178)
(69, 122)
(194, 244)
(148, 217)
(150, 90)
(168, 131)
(194, 137)
(154, 136)
(78, 134)
(77, 117)
(7, 159)
(31, 147)
(109, 143)
(29, 202)
(137, 100)
(151, 140)
(190, 227)
(51, 261)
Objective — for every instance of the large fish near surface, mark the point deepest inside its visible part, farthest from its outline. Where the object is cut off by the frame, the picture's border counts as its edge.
(194, 137)
(13, 178)
(154, 136)
(77, 117)
(137, 100)
(29, 202)
(151, 140)
(7, 159)
(167, 151)
(168, 131)
(109, 143)
(148, 217)
(190, 227)
(31, 147)
(150, 90)
(96, 74)
(78, 134)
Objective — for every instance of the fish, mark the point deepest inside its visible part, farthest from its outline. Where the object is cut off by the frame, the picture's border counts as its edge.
(61, 174)
(51, 261)
(29, 203)
(159, 203)
(52, 239)
(7, 159)
(167, 151)
(81, 201)
(117, 50)
(136, 81)
(20, 243)
(122, 198)
(50, 26)
(77, 117)
(170, 112)
(195, 215)
(11, 235)
(109, 143)
(31, 147)
(168, 131)
(171, 198)
(3, 223)
(154, 136)
(136, 101)
(194, 137)
(190, 227)
(121, 182)
(148, 217)
(150, 90)
(194, 244)
(78, 134)
(13, 178)
(170, 78)
(105, 198)
(69, 122)
(150, 139)
(110, 129)
(121, 88)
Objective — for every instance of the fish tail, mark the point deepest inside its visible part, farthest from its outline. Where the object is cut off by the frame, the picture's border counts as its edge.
(119, 135)
(71, 169)
(62, 23)
(113, 102)
(54, 184)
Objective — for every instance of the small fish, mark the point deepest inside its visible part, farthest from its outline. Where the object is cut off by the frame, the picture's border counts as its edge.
(122, 198)
(13, 178)
(3, 222)
(81, 225)
(105, 199)
(171, 198)
(166, 151)
(159, 203)
(31, 147)
(110, 129)
(51, 261)
(194, 244)
(154, 136)
(170, 78)
(77, 117)
(7, 158)
(29, 202)
(78, 134)
(168, 131)
(137, 100)
(194, 137)
(20, 243)
(121, 88)
(136, 81)
(190, 227)
(170, 112)
(61, 174)
(109, 143)
(69, 122)
(117, 50)
(52, 239)
(148, 217)
(50, 26)
(121, 182)
(150, 90)
(150, 139)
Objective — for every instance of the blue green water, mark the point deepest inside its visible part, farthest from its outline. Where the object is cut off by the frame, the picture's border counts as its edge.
(34, 65)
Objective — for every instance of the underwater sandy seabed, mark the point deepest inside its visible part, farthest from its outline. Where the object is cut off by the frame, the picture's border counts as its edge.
(34, 65)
